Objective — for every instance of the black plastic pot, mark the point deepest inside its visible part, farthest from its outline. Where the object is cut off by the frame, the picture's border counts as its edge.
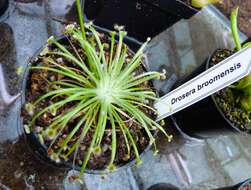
(4, 4)
(141, 18)
(40, 150)
(203, 119)
(245, 185)
(163, 186)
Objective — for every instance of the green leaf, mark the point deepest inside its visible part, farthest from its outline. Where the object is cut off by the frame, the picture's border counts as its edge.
(114, 139)
(80, 17)
(248, 44)
(97, 96)
(202, 3)
(234, 28)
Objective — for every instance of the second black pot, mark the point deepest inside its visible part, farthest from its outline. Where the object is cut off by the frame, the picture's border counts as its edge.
(246, 185)
(4, 4)
(141, 18)
(203, 119)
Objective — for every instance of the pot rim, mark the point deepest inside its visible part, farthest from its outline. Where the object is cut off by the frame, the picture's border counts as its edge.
(215, 102)
(64, 164)
(5, 6)
(186, 5)
(248, 181)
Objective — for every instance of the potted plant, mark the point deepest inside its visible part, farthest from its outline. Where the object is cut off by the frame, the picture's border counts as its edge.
(245, 185)
(202, 3)
(225, 111)
(143, 18)
(88, 100)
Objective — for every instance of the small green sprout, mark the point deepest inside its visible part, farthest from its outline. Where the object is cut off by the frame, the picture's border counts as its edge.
(111, 167)
(97, 150)
(50, 133)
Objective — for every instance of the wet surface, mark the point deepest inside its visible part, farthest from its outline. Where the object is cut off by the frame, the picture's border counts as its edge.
(186, 162)
(25, 171)
(25, 28)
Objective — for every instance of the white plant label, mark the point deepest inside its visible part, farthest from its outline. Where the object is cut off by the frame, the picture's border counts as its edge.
(212, 80)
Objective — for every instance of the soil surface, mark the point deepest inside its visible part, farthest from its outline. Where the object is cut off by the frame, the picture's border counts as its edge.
(226, 6)
(39, 84)
(22, 172)
(227, 99)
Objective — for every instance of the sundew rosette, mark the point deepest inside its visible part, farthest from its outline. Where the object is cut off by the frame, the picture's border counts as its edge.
(90, 101)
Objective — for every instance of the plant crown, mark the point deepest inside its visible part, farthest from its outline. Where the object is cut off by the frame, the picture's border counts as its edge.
(105, 91)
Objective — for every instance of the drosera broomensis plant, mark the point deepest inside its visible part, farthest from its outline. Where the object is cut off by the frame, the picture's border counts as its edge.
(89, 99)
(243, 85)
(235, 100)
